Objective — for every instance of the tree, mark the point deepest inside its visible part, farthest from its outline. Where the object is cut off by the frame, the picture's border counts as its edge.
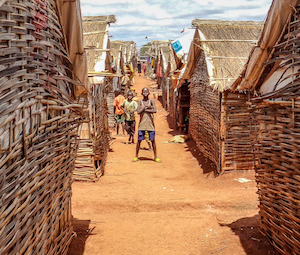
(144, 49)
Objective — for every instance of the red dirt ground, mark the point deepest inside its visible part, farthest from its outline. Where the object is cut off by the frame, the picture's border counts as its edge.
(176, 207)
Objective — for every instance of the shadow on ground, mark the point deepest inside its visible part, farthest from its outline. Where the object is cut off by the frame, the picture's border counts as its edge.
(145, 159)
(252, 240)
(82, 232)
(206, 164)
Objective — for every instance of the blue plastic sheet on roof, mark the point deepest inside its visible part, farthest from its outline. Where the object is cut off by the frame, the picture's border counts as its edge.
(176, 46)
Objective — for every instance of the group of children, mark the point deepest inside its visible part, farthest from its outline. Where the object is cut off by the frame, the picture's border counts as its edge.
(125, 109)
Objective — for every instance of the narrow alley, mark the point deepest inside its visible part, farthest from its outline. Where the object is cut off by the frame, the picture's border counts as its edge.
(176, 207)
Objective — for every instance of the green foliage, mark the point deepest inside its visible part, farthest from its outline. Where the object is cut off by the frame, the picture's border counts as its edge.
(144, 49)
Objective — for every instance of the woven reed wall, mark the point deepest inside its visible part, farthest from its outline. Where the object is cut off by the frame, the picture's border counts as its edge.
(164, 88)
(38, 130)
(172, 105)
(167, 94)
(204, 125)
(238, 131)
(277, 173)
(277, 145)
(100, 127)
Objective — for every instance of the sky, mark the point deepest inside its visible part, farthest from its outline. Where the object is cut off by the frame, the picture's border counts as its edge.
(143, 21)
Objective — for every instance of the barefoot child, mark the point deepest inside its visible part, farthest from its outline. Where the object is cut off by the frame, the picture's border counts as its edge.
(146, 108)
(129, 106)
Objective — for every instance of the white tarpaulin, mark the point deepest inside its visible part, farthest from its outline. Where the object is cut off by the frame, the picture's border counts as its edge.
(71, 20)
(277, 19)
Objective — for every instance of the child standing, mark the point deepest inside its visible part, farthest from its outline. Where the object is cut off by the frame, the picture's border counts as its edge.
(139, 66)
(146, 108)
(119, 113)
(129, 106)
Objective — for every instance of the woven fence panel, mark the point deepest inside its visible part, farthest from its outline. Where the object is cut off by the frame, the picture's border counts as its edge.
(204, 123)
(100, 126)
(164, 89)
(110, 104)
(278, 174)
(172, 105)
(94, 138)
(38, 130)
(167, 94)
(84, 163)
(238, 133)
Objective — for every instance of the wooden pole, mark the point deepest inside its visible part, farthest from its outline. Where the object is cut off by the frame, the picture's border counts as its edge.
(222, 132)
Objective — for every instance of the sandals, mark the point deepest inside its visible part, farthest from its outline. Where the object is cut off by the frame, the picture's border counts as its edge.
(135, 159)
(158, 160)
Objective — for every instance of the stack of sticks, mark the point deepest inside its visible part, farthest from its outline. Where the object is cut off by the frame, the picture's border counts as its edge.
(94, 137)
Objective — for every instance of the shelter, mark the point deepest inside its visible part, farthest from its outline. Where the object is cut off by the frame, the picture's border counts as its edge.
(39, 120)
(93, 132)
(217, 55)
(271, 78)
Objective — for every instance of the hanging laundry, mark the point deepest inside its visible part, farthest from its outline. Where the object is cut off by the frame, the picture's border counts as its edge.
(152, 62)
(158, 70)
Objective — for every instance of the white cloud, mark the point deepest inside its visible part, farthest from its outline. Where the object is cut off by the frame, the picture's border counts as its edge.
(164, 19)
(111, 2)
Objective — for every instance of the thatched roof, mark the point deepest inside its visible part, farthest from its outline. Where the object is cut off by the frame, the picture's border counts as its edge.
(165, 49)
(115, 48)
(94, 30)
(95, 37)
(166, 52)
(171, 61)
(128, 50)
(124, 49)
(155, 45)
(227, 45)
(104, 19)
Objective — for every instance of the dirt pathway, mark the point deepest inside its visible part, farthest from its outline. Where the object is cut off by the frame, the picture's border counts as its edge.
(177, 207)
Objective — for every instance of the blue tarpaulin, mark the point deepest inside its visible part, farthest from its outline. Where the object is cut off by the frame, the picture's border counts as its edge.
(176, 46)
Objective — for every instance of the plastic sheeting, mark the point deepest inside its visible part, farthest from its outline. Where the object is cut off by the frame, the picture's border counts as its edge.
(278, 16)
(71, 20)
(192, 57)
